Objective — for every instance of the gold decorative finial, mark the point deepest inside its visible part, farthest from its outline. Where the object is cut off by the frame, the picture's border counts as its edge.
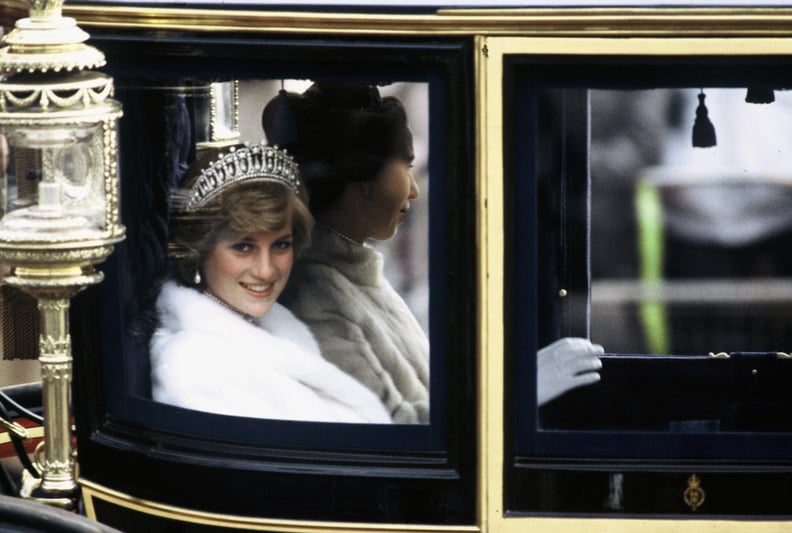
(47, 41)
(44, 10)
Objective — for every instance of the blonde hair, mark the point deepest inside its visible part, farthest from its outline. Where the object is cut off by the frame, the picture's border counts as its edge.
(241, 209)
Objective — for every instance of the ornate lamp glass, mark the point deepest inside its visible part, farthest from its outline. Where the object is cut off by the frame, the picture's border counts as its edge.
(59, 198)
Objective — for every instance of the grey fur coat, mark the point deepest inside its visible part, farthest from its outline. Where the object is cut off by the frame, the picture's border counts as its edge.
(361, 324)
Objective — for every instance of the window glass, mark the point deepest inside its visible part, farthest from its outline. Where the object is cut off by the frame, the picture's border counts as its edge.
(689, 245)
(220, 115)
(661, 255)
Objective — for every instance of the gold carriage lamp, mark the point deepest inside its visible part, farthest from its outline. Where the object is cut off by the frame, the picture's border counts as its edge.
(59, 201)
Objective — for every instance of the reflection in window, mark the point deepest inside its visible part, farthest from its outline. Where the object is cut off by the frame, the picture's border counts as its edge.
(651, 246)
(689, 244)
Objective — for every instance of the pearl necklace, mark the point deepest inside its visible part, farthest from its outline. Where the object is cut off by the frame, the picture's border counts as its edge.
(247, 317)
(339, 234)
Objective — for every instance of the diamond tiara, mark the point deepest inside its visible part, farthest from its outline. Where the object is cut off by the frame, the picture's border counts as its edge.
(245, 163)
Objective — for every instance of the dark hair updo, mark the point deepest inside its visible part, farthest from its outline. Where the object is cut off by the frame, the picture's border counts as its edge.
(338, 133)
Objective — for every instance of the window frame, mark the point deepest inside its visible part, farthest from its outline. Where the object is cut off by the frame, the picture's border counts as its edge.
(583, 460)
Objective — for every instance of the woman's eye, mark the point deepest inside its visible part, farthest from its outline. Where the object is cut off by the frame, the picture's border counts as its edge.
(241, 247)
(283, 245)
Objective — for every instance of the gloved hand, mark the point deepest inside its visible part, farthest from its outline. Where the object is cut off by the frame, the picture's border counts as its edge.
(564, 365)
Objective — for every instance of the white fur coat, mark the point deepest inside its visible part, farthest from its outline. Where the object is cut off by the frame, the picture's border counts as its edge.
(362, 325)
(206, 357)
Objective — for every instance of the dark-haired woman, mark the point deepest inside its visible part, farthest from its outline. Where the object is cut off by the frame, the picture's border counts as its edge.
(355, 150)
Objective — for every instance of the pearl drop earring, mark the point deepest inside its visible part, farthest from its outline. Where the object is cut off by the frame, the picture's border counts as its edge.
(197, 277)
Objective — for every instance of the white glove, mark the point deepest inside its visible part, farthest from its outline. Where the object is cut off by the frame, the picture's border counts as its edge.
(564, 365)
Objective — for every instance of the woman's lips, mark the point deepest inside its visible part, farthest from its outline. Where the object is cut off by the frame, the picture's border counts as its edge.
(258, 289)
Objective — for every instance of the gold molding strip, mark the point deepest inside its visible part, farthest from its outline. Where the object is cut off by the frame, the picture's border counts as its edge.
(92, 491)
(625, 22)
(648, 46)
(489, 241)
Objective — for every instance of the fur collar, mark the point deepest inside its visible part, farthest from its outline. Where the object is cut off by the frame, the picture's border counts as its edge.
(277, 349)
(361, 263)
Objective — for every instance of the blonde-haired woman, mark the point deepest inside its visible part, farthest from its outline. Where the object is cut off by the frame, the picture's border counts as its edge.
(224, 345)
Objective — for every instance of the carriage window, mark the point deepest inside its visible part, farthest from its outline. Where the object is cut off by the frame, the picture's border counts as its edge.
(649, 219)
(339, 133)
(667, 246)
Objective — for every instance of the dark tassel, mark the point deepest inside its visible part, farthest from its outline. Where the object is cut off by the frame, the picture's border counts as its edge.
(756, 95)
(277, 120)
(703, 130)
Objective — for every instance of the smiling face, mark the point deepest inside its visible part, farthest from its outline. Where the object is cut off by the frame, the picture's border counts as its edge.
(249, 272)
